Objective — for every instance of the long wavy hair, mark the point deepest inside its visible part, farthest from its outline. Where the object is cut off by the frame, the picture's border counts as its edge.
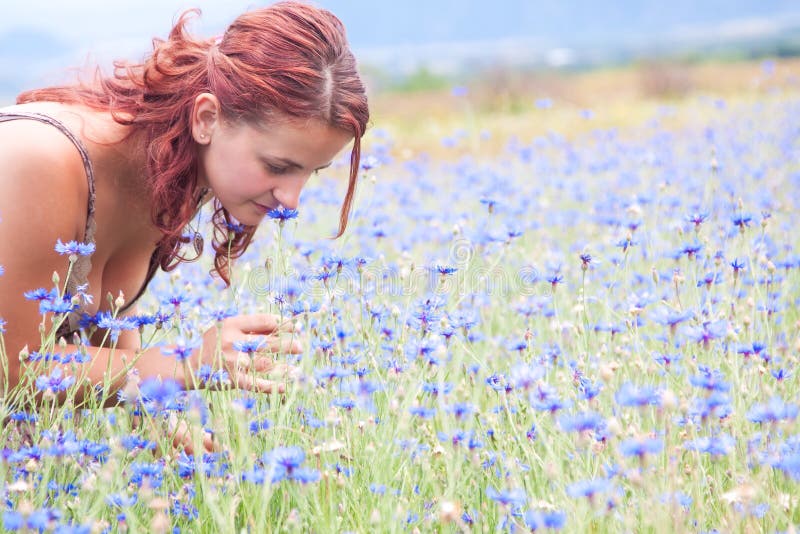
(286, 59)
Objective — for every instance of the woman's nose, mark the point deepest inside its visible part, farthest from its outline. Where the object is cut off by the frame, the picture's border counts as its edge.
(289, 194)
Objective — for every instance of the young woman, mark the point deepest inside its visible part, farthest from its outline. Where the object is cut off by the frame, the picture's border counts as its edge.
(124, 162)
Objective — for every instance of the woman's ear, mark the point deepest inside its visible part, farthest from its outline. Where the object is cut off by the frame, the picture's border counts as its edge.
(205, 117)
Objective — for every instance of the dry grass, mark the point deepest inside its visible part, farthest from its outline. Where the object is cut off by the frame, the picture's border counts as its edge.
(505, 103)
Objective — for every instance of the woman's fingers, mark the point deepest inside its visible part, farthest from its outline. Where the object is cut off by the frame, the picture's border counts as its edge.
(256, 384)
(277, 345)
(262, 323)
(183, 436)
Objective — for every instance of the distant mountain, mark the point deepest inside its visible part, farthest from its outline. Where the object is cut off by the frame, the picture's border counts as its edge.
(559, 23)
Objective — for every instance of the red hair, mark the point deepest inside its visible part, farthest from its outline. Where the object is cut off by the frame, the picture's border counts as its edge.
(289, 58)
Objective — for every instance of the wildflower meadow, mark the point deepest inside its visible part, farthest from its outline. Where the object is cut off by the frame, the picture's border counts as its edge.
(587, 333)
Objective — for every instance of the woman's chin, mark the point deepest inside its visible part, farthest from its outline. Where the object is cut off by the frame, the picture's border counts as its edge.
(248, 215)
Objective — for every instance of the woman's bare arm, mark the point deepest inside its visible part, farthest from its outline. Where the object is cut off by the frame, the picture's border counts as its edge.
(39, 204)
(41, 201)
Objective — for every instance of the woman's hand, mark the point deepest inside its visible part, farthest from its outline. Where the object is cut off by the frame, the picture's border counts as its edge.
(236, 337)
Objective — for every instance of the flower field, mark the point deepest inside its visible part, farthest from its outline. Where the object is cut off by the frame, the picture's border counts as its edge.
(587, 334)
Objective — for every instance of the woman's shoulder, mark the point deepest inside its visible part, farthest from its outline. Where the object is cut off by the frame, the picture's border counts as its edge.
(41, 167)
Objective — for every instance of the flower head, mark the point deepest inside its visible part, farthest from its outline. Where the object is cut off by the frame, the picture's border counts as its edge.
(74, 248)
(282, 214)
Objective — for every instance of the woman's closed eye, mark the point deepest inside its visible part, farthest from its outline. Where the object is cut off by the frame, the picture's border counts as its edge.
(275, 169)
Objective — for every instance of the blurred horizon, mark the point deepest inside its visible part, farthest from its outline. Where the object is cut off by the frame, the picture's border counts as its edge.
(41, 40)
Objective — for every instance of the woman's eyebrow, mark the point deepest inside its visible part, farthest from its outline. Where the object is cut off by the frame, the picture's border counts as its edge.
(296, 165)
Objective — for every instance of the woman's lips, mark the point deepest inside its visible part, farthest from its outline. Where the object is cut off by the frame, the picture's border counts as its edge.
(262, 207)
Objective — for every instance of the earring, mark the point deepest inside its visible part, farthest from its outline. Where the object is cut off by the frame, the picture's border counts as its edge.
(202, 136)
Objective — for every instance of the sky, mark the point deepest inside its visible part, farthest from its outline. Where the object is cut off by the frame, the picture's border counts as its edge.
(39, 38)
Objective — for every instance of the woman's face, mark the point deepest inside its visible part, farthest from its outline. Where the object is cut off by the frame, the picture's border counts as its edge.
(253, 170)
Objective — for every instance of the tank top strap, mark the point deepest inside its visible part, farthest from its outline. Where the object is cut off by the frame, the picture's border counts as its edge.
(87, 164)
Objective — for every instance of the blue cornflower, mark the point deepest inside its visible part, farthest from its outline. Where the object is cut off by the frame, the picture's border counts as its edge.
(257, 425)
(589, 488)
(422, 411)
(742, 220)
(588, 389)
(177, 297)
(444, 270)
(377, 489)
(13, 520)
(710, 379)
(461, 409)
(626, 243)
(709, 279)
(345, 403)
(328, 374)
(282, 214)
(74, 248)
(666, 359)
(789, 464)
(538, 519)
(287, 458)
(640, 447)
(220, 314)
(56, 304)
(132, 442)
(490, 203)
(300, 307)
(182, 349)
(369, 162)
(507, 497)
(207, 375)
(545, 398)
(526, 375)
(37, 356)
(671, 318)
(691, 249)
(236, 228)
(738, 265)
(285, 463)
(708, 332)
(150, 473)
(555, 279)
(115, 325)
(498, 382)
(437, 388)
(304, 475)
(581, 422)
(250, 346)
(55, 382)
(750, 349)
(780, 374)
(121, 500)
(634, 396)
(457, 438)
(156, 394)
(716, 403)
(774, 411)
(697, 218)
(143, 320)
(714, 446)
